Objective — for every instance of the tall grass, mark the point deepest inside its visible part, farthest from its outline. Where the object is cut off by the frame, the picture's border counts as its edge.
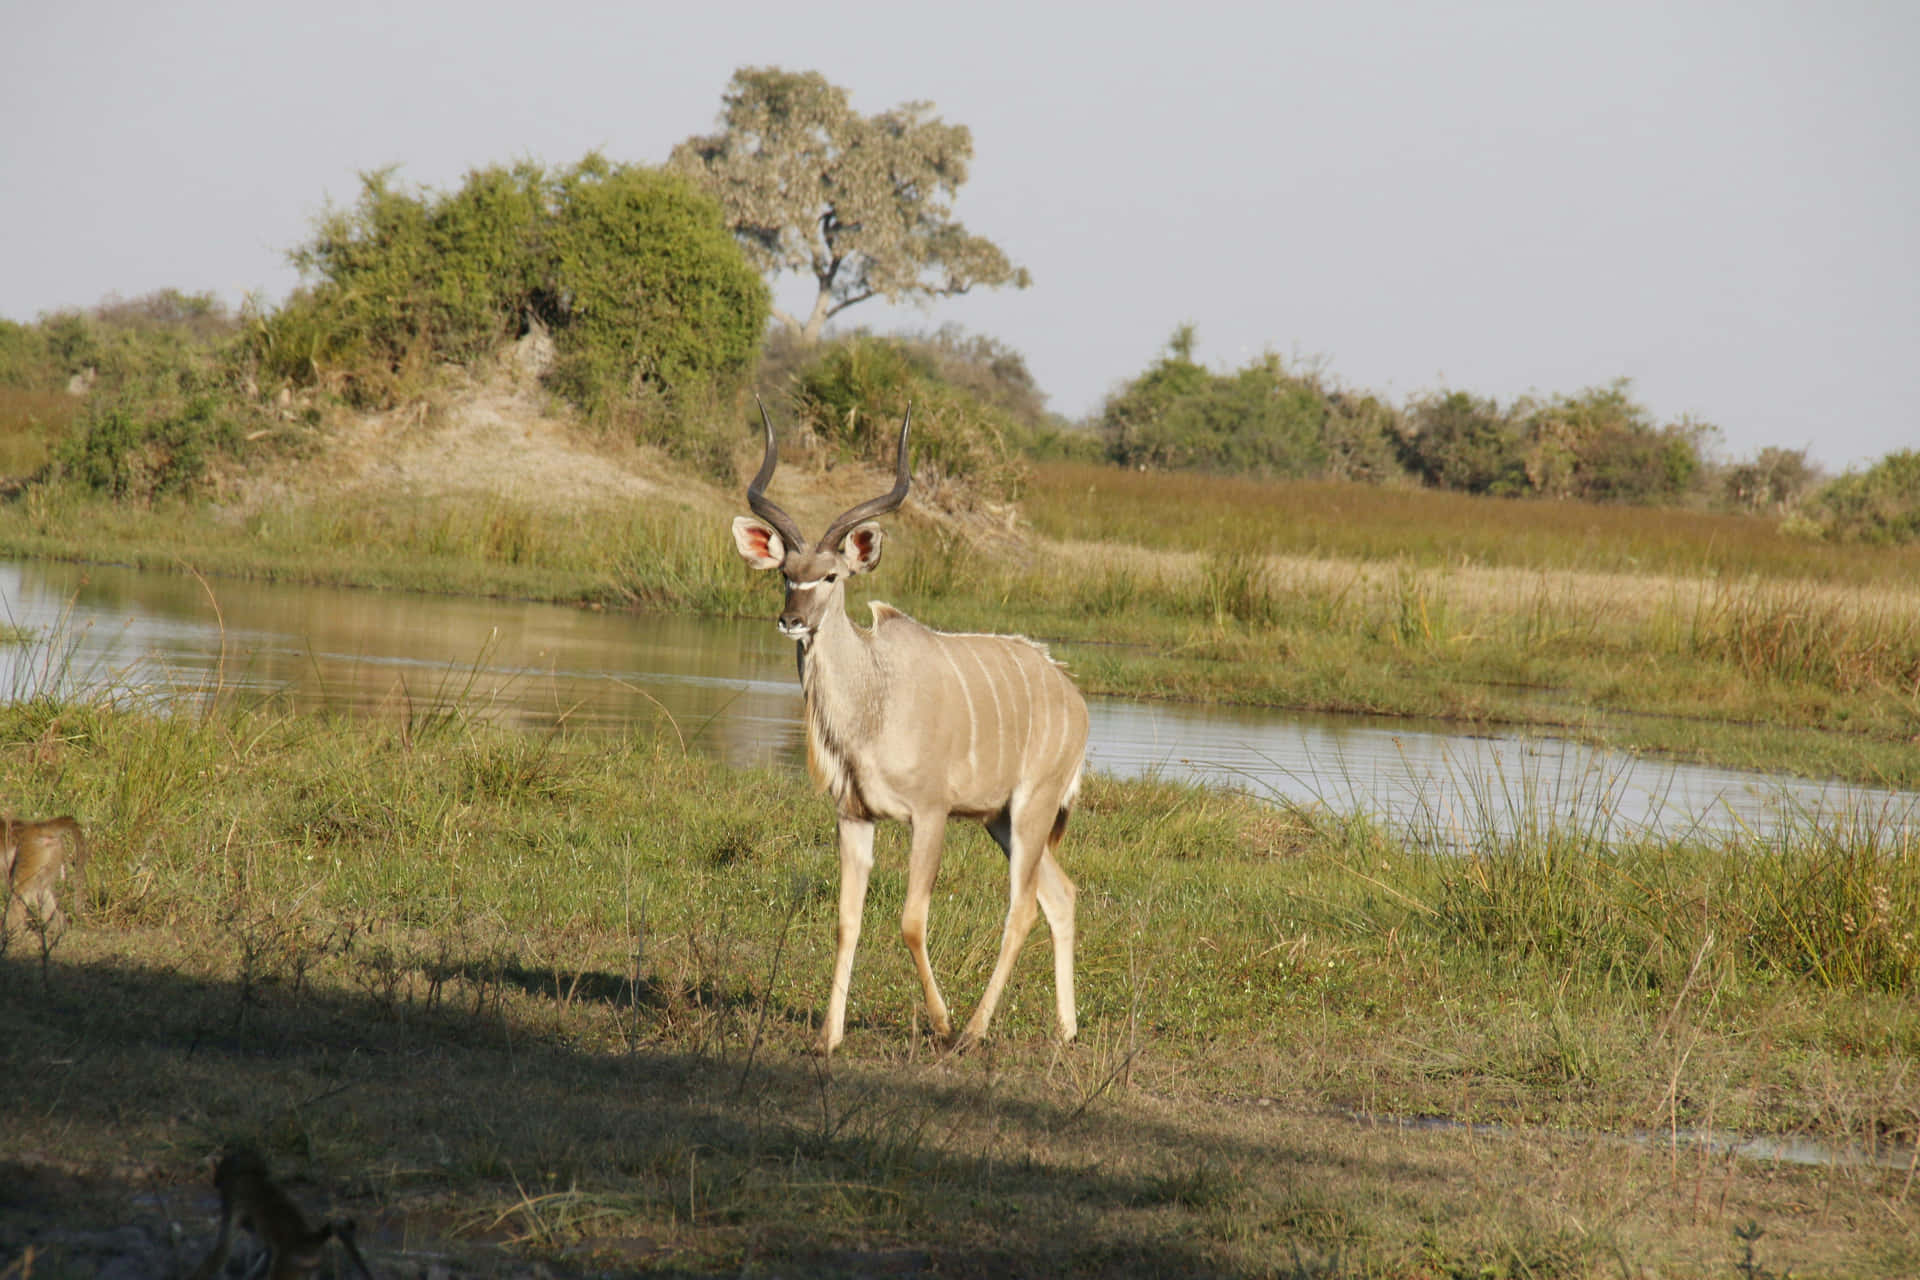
(1797, 632)
(32, 421)
(1191, 512)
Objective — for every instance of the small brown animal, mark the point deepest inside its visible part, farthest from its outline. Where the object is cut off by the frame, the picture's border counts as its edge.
(249, 1197)
(34, 858)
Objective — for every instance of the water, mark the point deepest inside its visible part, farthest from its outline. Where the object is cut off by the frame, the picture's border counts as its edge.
(729, 687)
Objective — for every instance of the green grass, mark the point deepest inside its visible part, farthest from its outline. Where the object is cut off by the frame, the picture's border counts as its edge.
(512, 996)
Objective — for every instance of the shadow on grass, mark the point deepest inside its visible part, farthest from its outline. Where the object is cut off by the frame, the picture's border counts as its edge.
(478, 1127)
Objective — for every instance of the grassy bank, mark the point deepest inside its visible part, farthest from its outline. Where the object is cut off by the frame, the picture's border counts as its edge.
(1432, 528)
(1707, 637)
(503, 997)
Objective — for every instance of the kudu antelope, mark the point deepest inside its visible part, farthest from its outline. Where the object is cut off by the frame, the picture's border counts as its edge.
(913, 724)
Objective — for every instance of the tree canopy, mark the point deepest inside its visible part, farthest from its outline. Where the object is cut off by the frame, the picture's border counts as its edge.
(864, 204)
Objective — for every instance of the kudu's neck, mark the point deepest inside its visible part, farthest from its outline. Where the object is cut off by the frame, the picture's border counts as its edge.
(838, 674)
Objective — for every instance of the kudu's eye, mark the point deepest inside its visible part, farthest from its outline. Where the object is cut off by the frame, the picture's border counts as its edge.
(830, 577)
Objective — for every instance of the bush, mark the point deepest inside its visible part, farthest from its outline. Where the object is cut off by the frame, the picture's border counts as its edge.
(1600, 445)
(1457, 441)
(1880, 505)
(93, 375)
(1775, 480)
(138, 450)
(631, 270)
(850, 400)
(145, 343)
(1179, 415)
(403, 279)
(649, 290)
(1361, 436)
(1597, 446)
(997, 376)
(988, 369)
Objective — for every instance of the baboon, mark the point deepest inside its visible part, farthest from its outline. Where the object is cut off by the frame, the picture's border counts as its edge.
(249, 1197)
(34, 858)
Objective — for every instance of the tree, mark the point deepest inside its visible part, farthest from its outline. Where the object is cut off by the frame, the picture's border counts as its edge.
(863, 203)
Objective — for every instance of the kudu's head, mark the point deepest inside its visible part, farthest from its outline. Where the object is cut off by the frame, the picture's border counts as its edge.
(816, 579)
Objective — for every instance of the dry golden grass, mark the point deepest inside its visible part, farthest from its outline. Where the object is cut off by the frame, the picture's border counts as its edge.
(30, 423)
(1342, 520)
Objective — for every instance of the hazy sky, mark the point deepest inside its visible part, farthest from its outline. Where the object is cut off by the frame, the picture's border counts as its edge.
(1720, 201)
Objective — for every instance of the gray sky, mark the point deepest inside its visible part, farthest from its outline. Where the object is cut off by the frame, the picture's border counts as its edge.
(1720, 201)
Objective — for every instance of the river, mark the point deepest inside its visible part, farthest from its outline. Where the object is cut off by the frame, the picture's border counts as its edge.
(729, 687)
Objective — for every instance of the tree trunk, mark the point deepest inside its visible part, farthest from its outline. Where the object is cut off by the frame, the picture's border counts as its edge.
(810, 333)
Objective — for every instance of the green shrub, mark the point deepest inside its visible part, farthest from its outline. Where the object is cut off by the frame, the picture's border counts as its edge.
(1458, 441)
(994, 373)
(851, 399)
(1178, 415)
(25, 361)
(139, 450)
(1361, 435)
(1880, 505)
(147, 344)
(1775, 480)
(649, 289)
(129, 373)
(1601, 445)
(403, 279)
(647, 297)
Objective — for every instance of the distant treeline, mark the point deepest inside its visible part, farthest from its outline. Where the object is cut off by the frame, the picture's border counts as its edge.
(1596, 445)
(658, 326)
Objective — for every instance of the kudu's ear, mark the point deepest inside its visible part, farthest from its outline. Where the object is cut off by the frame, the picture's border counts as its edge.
(861, 547)
(759, 545)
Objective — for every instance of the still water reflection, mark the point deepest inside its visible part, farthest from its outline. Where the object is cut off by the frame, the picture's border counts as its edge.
(729, 687)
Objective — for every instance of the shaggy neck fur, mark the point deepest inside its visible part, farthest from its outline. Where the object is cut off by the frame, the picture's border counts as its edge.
(840, 678)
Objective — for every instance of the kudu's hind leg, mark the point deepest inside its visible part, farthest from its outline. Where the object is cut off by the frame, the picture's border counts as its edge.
(923, 867)
(1023, 835)
(1057, 894)
(856, 864)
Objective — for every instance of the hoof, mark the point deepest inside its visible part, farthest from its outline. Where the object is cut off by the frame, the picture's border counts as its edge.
(957, 1045)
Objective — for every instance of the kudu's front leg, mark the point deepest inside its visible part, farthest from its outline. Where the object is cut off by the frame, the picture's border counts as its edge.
(923, 867)
(856, 864)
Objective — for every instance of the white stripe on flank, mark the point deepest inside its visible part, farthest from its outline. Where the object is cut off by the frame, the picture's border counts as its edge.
(973, 716)
(1026, 684)
(999, 712)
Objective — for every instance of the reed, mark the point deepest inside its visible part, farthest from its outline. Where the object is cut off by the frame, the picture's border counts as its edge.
(1196, 512)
